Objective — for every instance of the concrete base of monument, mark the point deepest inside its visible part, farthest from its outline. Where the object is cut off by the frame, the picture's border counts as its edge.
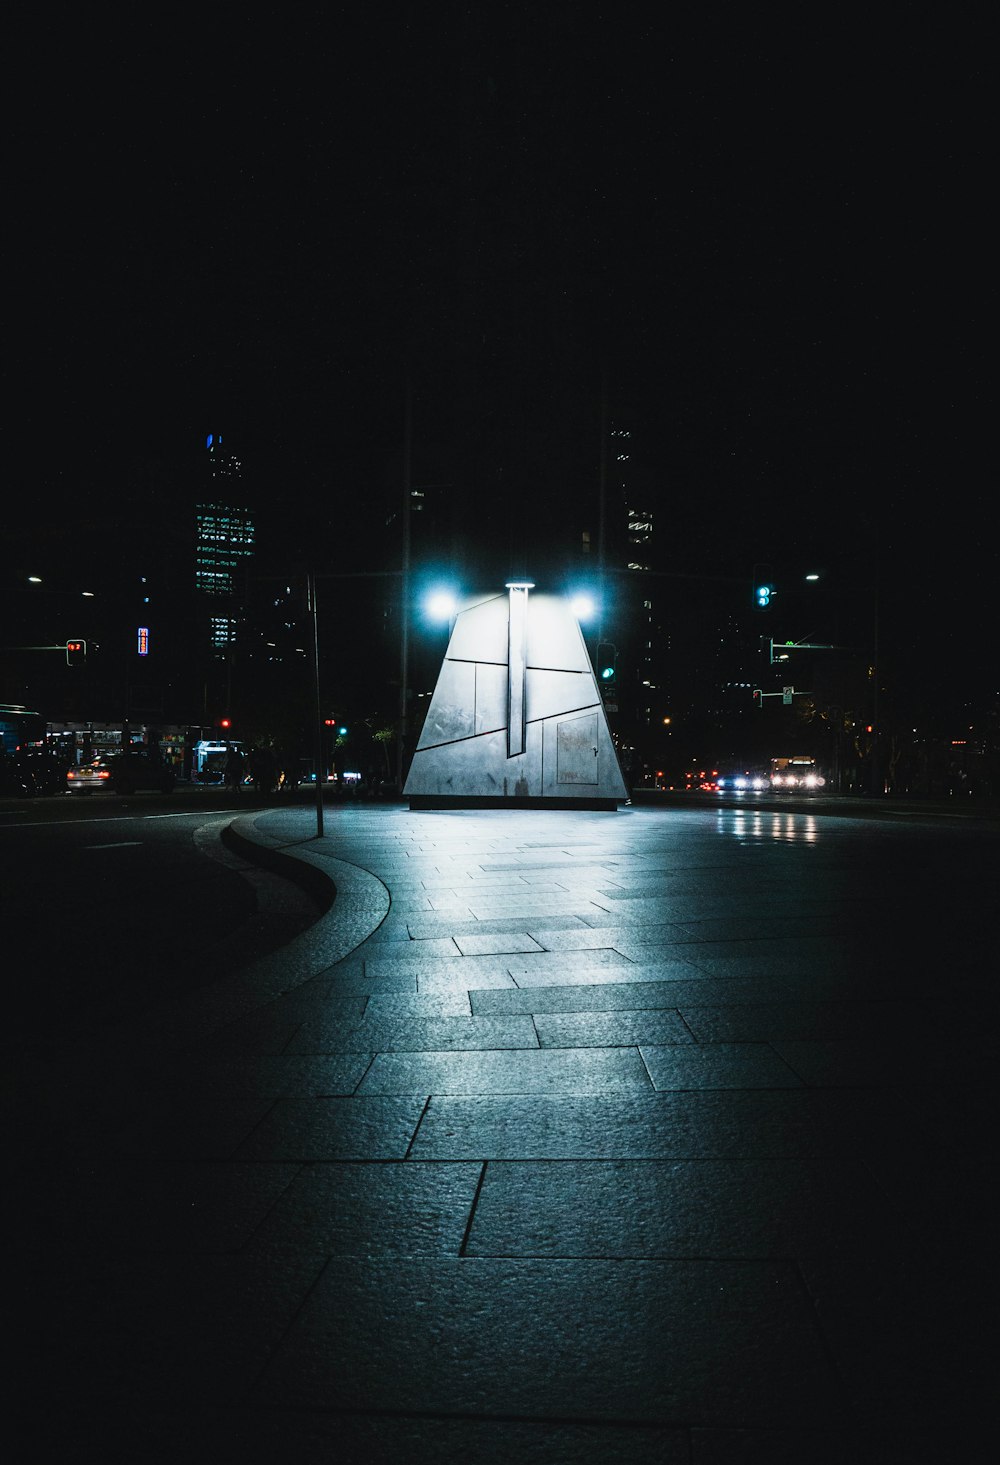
(512, 801)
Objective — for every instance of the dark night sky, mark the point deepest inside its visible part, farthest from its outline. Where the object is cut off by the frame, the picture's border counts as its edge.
(259, 222)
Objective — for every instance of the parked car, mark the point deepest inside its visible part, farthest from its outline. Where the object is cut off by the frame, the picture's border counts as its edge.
(89, 778)
(137, 771)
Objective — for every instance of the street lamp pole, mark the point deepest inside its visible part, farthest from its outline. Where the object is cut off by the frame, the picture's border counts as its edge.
(318, 737)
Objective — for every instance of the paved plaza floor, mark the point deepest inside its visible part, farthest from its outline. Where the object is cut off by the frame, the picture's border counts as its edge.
(563, 1136)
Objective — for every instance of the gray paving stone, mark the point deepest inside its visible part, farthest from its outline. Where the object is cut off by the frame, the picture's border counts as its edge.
(406, 1033)
(711, 1124)
(445, 923)
(462, 978)
(521, 1337)
(360, 982)
(580, 1071)
(361, 1209)
(576, 937)
(495, 943)
(718, 1066)
(622, 996)
(759, 1208)
(312, 1130)
(419, 960)
(610, 1029)
(594, 969)
(424, 1004)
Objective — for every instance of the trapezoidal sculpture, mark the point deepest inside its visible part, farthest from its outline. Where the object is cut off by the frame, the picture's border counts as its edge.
(516, 718)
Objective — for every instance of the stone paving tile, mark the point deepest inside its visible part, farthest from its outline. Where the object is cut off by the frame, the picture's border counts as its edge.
(569, 903)
(621, 996)
(343, 1208)
(445, 923)
(517, 1338)
(499, 944)
(574, 1071)
(578, 937)
(710, 1124)
(610, 1029)
(429, 949)
(401, 1033)
(418, 959)
(759, 1208)
(425, 1004)
(313, 1130)
(626, 915)
(458, 978)
(595, 968)
(398, 983)
(751, 928)
(718, 1066)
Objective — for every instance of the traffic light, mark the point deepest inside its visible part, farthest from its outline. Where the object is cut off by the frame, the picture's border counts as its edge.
(763, 588)
(607, 657)
(76, 653)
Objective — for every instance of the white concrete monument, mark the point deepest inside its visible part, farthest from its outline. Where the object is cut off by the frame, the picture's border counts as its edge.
(516, 718)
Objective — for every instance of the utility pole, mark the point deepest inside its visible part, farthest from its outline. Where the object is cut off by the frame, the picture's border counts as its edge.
(318, 733)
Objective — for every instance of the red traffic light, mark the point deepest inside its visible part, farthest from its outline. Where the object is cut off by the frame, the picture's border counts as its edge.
(224, 722)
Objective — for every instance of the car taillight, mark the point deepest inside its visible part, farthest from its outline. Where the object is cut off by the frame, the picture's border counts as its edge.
(71, 775)
(103, 773)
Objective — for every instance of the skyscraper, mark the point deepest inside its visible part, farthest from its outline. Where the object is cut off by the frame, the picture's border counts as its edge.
(224, 543)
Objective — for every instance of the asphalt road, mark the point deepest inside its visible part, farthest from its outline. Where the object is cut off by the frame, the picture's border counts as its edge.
(111, 903)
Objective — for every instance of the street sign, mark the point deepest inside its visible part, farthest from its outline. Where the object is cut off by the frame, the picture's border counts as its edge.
(787, 693)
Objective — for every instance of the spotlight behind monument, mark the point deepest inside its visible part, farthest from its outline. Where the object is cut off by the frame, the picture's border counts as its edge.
(516, 719)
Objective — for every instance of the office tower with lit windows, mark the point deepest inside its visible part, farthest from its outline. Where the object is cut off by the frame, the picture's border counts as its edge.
(224, 543)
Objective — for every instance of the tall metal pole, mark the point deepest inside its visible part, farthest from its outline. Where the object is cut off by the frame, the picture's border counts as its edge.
(602, 504)
(878, 786)
(404, 609)
(318, 736)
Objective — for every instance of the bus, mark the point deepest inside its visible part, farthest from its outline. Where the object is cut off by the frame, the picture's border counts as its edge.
(20, 729)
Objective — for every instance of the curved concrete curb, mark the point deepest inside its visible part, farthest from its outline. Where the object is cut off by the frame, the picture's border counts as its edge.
(354, 902)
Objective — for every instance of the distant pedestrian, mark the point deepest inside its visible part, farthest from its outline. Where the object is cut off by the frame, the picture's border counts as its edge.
(234, 768)
(264, 770)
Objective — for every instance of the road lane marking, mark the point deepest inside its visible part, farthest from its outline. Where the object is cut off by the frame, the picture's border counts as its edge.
(119, 844)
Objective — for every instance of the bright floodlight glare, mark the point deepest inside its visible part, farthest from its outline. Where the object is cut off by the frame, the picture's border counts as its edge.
(441, 605)
(582, 607)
